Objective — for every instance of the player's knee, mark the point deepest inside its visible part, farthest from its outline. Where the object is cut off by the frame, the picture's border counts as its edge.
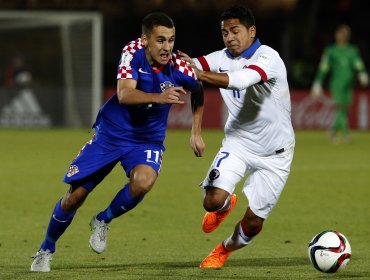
(71, 203)
(214, 199)
(211, 204)
(142, 179)
(73, 199)
(141, 185)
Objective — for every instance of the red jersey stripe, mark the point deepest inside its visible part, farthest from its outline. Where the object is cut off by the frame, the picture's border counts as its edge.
(260, 71)
(204, 63)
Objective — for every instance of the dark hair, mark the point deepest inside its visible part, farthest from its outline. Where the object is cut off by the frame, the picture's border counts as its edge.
(155, 19)
(242, 13)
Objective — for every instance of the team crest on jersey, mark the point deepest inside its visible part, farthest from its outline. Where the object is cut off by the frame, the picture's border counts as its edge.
(264, 59)
(73, 169)
(214, 174)
(166, 85)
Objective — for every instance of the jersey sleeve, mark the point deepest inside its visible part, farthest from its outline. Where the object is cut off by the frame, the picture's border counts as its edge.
(268, 64)
(128, 64)
(209, 62)
(324, 66)
(358, 64)
(185, 75)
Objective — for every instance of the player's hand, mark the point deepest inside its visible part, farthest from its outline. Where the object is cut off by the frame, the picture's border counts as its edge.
(364, 79)
(189, 61)
(172, 95)
(197, 144)
(316, 90)
(185, 57)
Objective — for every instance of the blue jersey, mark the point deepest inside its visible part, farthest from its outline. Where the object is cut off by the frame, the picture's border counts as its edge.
(121, 125)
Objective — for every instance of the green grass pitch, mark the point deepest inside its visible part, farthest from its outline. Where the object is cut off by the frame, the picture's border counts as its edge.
(329, 188)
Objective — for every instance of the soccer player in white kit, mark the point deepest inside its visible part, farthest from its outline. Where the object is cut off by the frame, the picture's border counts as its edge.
(259, 138)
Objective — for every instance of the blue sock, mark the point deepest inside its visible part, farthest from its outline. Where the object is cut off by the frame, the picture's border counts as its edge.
(122, 203)
(59, 222)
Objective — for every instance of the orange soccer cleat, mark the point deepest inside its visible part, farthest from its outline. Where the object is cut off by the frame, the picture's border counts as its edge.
(212, 220)
(217, 258)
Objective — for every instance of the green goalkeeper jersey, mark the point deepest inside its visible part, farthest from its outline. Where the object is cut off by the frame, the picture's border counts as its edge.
(343, 62)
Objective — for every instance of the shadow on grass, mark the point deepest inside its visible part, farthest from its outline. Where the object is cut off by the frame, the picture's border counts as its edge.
(191, 268)
(234, 269)
(259, 262)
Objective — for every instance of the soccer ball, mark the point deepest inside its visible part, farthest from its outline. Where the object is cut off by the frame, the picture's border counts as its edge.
(329, 251)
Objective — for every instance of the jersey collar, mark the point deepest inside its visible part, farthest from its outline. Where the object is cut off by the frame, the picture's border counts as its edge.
(158, 69)
(248, 52)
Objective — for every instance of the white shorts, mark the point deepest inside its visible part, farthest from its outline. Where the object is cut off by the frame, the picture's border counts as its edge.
(266, 179)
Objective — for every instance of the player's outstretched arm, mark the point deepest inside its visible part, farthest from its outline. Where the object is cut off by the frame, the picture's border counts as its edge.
(197, 106)
(220, 80)
(216, 79)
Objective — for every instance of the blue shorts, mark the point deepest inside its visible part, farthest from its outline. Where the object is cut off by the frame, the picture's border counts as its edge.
(95, 161)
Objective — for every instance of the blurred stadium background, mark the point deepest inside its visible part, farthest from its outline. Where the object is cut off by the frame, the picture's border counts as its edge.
(72, 48)
(68, 51)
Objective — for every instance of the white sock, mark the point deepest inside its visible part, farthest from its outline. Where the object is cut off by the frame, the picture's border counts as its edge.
(241, 239)
(226, 205)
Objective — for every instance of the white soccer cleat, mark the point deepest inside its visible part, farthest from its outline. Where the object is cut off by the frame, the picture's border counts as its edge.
(41, 261)
(98, 238)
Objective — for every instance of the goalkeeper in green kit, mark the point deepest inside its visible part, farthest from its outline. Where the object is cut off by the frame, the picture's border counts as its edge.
(343, 61)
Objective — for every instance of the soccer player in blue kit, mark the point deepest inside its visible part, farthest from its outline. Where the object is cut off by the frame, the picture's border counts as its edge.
(129, 128)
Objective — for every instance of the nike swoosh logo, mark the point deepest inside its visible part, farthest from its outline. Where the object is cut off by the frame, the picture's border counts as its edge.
(222, 70)
(55, 218)
(142, 71)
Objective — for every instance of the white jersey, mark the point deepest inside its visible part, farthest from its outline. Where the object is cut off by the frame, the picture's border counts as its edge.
(259, 115)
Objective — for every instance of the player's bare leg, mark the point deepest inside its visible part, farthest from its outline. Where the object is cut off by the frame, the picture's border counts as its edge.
(219, 205)
(142, 179)
(243, 234)
(73, 199)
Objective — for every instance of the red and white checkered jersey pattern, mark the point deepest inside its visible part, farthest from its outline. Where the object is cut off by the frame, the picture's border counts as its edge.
(181, 65)
(124, 68)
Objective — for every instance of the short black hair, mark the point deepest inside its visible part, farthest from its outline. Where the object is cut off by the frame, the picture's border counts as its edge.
(242, 13)
(155, 19)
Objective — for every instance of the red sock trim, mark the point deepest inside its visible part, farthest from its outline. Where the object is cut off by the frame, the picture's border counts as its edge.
(223, 246)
